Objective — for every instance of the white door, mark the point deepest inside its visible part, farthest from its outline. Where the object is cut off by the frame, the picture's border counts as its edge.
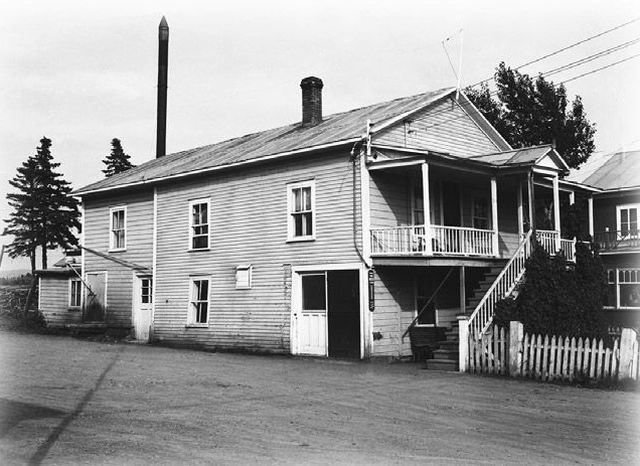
(310, 314)
(142, 307)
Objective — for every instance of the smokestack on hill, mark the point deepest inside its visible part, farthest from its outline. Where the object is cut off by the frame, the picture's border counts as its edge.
(163, 61)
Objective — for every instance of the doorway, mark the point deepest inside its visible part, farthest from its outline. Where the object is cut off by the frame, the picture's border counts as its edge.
(326, 313)
(142, 307)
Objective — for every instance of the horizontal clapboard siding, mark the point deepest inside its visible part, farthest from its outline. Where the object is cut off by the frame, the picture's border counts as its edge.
(54, 302)
(139, 250)
(389, 200)
(445, 127)
(395, 309)
(248, 224)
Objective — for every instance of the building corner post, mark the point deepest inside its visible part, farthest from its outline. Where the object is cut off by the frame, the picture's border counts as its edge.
(556, 210)
(463, 343)
(494, 216)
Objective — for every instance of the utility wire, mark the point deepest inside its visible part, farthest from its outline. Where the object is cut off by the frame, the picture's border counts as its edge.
(601, 68)
(565, 48)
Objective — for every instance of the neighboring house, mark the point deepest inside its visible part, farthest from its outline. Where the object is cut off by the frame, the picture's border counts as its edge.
(614, 206)
(330, 237)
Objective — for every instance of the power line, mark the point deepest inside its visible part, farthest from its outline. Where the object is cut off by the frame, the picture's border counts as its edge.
(601, 68)
(565, 48)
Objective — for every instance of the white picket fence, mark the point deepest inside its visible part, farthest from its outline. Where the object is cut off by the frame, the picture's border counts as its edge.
(543, 357)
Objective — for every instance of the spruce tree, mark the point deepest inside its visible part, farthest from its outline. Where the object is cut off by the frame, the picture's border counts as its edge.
(117, 161)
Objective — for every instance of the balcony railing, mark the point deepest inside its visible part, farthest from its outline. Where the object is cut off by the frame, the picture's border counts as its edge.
(445, 240)
(552, 243)
(614, 240)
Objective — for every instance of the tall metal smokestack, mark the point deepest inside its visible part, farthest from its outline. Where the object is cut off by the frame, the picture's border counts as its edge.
(163, 61)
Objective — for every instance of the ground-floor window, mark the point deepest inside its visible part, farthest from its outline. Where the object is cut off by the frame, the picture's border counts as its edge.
(146, 290)
(199, 300)
(75, 292)
(624, 288)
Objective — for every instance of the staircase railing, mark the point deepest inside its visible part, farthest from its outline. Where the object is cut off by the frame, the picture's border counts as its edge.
(503, 285)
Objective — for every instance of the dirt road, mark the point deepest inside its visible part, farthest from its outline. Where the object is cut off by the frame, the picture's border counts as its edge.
(68, 401)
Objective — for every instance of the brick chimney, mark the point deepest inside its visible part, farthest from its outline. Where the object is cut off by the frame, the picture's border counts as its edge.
(311, 101)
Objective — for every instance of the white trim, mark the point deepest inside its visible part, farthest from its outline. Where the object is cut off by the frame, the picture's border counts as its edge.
(220, 167)
(190, 315)
(112, 210)
(311, 183)
(590, 215)
(619, 207)
(154, 260)
(426, 206)
(82, 241)
(556, 211)
(494, 215)
(192, 202)
(39, 293)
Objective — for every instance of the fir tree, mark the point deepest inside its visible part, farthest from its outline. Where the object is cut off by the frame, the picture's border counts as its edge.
(117, 161)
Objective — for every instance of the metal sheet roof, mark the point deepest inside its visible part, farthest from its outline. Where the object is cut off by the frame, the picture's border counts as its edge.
(515, 157)
(610, 171)
(333, 129)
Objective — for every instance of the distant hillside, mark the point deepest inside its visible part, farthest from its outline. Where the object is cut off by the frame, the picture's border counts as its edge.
(13, 273)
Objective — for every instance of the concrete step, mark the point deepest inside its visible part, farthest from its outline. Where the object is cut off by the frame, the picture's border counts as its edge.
(442, 364)
(445, 354)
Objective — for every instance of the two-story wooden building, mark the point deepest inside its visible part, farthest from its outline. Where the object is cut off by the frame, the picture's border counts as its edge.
(614, 205)
(324, 237)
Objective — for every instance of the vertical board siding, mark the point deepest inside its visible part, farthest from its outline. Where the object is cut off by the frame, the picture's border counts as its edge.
(444, 127)
(248, 225)
(395, 309)
(139, 241)
(54, 302)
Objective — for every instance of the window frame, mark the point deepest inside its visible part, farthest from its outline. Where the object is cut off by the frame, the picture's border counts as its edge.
(149, 288)
(112, 246)
(291, 237)
(191, 310)
(617, 281)
(619, 209)
(474, 215)
(192, 203)
(249, 269)
(71, 305)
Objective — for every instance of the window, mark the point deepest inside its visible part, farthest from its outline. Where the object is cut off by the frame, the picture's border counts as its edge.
(243, 277)
(627, 217)
(301, 205)
(118, 226)
(199, 301)
(146, 290)
(75, 292)
(624, 288)
(314, 292)
(480, 213)
(199, 224)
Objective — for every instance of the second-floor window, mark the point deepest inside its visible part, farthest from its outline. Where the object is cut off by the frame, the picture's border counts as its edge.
(199, 224)
(118, 226)
(301, 211)
(627, 219)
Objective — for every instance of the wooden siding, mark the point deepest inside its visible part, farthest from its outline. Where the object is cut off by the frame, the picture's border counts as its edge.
(395, 309)
(445, 127)
(248, 224)
(389, 200)
(54, 302)
(139, 240)
(604, 210)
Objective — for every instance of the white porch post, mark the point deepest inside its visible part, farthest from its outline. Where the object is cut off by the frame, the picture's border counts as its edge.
(590, 208)
(494, 214)
(426, 205)
(556, 210)
(463, 343)
(463, 291)
(572, 197)
(520, 211)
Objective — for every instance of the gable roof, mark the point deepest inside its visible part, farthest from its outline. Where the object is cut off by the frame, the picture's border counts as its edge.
(337, 129)
(523, 156)
(617, 170)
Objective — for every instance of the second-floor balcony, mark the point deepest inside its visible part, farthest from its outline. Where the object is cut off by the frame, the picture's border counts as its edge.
(622, 240)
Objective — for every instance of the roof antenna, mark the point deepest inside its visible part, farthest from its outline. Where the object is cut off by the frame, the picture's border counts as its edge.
(458, 73)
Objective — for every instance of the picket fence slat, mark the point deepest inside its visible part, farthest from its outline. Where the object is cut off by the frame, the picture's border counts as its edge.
(572, 358)
(594, 358)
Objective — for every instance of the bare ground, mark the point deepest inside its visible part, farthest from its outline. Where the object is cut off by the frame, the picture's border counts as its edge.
(68, 401)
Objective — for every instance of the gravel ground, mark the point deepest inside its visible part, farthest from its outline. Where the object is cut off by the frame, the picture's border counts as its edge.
(68, 401)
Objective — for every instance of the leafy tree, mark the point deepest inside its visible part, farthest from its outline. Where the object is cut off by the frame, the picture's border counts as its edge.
(530, 112)
(44, 214)
(117, 161)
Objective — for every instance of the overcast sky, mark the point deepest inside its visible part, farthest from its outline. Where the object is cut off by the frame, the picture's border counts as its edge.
(82, 73)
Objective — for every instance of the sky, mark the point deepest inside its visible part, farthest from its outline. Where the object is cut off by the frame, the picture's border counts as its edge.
(82, 73)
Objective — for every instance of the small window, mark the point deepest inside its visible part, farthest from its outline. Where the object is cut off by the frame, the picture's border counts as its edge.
(199, 224)
(199, 301)
(301, 205)
(146, 290)
(243, 277)
(480, 213)
(118, 226)
(75, 292)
